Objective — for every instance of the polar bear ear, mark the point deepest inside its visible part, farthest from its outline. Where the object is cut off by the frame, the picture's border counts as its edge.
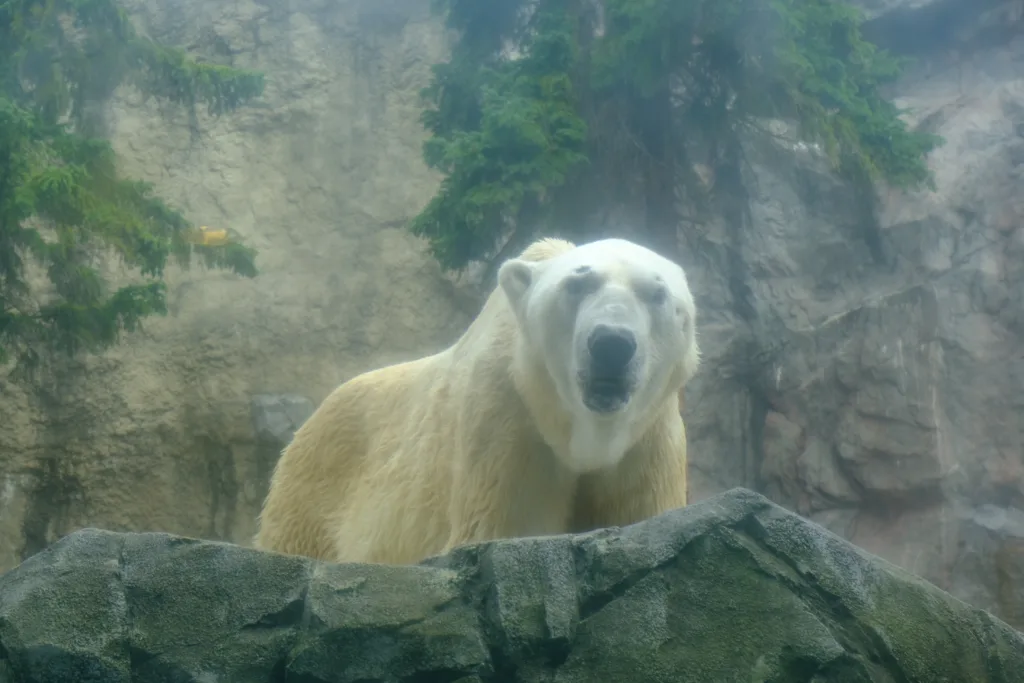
(515, 277)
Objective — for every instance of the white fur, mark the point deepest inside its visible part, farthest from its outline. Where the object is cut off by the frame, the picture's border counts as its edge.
(554, 329)
(490, 438)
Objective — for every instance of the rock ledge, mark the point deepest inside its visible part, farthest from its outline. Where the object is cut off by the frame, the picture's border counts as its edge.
(732, 588)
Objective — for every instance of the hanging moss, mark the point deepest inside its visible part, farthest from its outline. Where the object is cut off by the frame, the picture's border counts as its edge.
(533, 103)
(55, 56)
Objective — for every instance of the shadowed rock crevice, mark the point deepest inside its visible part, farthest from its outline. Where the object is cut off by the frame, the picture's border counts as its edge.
(223, 487)
(52, 504)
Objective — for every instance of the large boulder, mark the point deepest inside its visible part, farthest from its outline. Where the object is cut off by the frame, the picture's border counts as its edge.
(732, 588)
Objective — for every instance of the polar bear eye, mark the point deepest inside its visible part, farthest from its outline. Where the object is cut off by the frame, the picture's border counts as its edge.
(582, 281)
(657, 294)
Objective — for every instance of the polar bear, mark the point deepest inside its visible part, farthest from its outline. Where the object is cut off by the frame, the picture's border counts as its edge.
(556, 411)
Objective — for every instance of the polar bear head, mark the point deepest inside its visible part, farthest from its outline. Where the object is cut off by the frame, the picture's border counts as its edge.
(611, 327)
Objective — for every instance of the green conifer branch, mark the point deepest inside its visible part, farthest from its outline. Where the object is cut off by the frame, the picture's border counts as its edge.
(504, 132)
(62, 202)
(514, 137)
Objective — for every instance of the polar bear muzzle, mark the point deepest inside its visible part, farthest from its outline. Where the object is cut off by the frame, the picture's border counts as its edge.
(609, 377)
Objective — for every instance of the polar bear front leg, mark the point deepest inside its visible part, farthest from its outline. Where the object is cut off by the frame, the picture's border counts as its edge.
(512, 487)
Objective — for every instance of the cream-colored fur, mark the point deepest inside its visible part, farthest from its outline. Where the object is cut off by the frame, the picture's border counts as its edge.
(413, 459)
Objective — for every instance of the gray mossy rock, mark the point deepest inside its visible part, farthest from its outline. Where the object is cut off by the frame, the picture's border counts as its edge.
(733, 588)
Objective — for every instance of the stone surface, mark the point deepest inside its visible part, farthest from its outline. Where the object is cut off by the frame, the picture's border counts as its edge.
(733, 588)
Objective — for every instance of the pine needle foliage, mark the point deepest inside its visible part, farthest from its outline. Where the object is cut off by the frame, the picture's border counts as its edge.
(534, 98)
(505, 132)
(63, 204)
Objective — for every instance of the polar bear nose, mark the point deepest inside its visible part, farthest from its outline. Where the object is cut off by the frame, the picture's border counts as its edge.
(611, 348)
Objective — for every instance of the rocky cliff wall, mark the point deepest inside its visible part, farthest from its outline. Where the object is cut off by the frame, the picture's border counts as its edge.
(320, 177)
(867, 369)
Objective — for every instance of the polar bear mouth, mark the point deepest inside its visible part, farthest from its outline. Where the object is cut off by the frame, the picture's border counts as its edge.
(606, 394)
